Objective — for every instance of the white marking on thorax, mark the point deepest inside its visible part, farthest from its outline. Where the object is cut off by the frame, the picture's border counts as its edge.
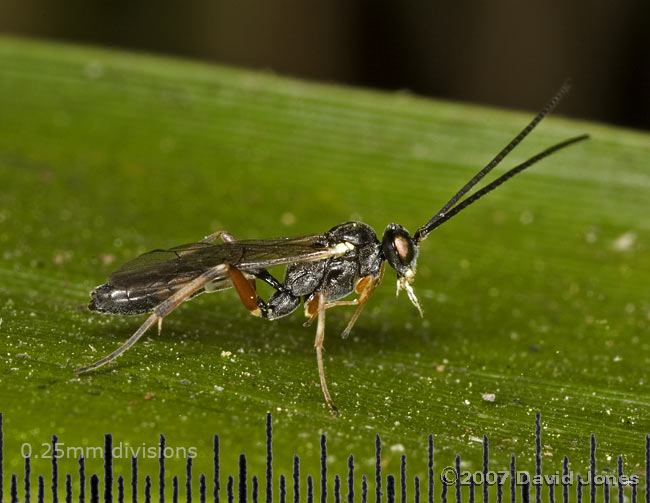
(343, 248)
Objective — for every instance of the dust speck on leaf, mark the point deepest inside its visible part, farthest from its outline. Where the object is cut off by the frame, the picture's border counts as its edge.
(288, 219)
(488, 397)
(625, 241)
(94, 69)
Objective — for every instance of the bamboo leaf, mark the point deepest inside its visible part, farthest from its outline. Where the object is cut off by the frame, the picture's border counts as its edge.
(535, 299)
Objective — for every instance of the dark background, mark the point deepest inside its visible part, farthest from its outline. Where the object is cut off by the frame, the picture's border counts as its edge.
(512, 54)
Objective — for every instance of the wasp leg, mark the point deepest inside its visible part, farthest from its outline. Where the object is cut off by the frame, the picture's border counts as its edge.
(311, 308)
(280, 304)
(337, 303)
(318, 344)
(365, 288)
(162, 310)
(226, 237)
(267, 277)
(246, 289)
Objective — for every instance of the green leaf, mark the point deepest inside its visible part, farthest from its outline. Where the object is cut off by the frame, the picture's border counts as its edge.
(535, 299)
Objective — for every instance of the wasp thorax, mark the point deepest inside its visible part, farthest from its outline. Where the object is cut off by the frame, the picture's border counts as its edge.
(400, 250)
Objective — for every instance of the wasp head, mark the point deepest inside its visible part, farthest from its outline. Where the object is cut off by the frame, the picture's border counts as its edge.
(401, 252)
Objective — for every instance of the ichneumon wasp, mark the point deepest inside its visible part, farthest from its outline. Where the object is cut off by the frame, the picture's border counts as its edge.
(321, 269)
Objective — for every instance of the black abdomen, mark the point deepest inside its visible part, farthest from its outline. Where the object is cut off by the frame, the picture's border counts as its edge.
(109, 299)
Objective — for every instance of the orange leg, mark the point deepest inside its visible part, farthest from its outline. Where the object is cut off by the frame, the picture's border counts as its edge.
(365, 288)
(246, 289)
(229, 238)
(311, 308)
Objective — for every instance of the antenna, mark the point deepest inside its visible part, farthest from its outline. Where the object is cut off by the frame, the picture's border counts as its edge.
(445, 214)
(489, 188)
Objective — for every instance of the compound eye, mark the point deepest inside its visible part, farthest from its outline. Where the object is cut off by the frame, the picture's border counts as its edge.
(399, 248)
(403, 249)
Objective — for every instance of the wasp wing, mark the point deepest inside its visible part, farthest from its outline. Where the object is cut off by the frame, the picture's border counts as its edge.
(185, 262)
(175, 265)
(141, 284)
